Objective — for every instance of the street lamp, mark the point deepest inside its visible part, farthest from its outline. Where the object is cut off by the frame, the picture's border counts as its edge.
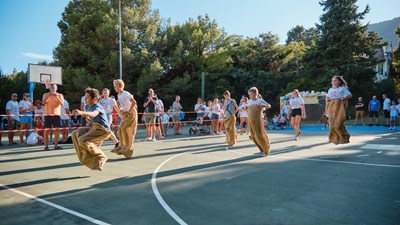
(120, 45)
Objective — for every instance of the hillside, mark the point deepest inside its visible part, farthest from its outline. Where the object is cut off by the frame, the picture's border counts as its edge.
(386, 29)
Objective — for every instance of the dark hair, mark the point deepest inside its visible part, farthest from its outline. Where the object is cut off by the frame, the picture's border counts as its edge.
(343, 83)
(94, 93)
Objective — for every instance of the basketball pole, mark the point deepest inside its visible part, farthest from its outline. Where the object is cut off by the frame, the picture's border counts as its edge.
(120, 45)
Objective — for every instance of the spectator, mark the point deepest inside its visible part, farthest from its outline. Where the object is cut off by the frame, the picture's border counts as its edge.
(12, 112)
(297, 111)
(159, 112)
(359, 111)
(65, 120)
(215, 109)
(25, 107)
(53, 102)
(393, 115)
(176, 108)
(39, 116)
(108, 105)
(373, 108)
(150, 104)
(34, 138)
(386, 110)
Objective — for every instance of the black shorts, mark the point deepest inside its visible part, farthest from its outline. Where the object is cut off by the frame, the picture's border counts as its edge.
(52, 121)
(214, 116)
(386, 113)
(295, 112)
(158, 121)
(373, 113)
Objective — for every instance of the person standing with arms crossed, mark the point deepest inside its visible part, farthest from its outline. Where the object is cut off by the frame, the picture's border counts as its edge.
(129, 118)
(53, 102)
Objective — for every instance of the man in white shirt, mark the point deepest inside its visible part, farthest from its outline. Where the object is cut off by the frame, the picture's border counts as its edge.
(385, 107)
(12, 112)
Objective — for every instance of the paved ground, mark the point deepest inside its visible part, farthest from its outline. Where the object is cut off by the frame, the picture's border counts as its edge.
(198, 180)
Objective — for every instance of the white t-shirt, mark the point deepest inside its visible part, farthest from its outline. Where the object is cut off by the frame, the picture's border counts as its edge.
(12, 106)
(296, 102)
(215, 109)
(198, 107)
(63, 111)
(32, 138)
(124, 100)
(83, 102)
(39, 112)
(24, 105)
(386, 104)
(340, 92)
(258, 101)
(108, 104)
(398, 108)
(160, 104)
(393, 111)
(243, 111)
(165, 118)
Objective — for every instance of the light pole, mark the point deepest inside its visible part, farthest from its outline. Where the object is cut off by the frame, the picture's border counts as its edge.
(120, 44)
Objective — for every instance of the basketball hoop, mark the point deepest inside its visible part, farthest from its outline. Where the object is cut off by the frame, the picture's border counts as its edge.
(47, 82)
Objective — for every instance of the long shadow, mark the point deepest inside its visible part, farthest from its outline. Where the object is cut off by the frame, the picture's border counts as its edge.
(29, 183)
(68, 165)
(16, 151)
(36, 157)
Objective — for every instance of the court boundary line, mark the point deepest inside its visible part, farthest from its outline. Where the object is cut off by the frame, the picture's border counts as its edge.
(59, 207)
(317, 160)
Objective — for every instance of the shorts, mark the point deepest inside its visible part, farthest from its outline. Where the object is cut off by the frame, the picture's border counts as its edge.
(386, 113)
(52, 121)
(175, 117)
(393, 118)
(373, 113)
(158, 121)
(109, 118)
(26, 118)
(199, 114)
(150, 118)
(66, 123)
(295, 112)
(214, 116)
(13, 125)
(360, 113)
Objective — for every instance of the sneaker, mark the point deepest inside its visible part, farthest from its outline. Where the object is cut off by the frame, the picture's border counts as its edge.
(116, 145)
(46, 149)
(153, 140)
(296, 139)
(58, 148)
(148, 139)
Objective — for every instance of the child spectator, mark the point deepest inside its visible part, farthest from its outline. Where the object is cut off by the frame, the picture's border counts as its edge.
(393, 115)
(34, 138)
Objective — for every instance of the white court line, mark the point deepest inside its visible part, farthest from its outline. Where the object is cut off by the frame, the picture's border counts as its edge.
(381, 147)
(273, 154)
(72, 212)
(158, 195)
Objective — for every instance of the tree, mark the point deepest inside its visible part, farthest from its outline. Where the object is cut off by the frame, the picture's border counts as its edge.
(396, 64)
(344, 48)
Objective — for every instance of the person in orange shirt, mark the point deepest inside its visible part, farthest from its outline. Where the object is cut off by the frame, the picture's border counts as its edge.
(53, 102)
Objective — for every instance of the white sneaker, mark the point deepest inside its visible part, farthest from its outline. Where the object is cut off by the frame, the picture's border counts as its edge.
(390, 128)
(148, 139)
(153, 140)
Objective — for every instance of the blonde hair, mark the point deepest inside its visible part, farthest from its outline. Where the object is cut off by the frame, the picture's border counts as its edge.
(297, 92)
(119, 82)
(253, 90)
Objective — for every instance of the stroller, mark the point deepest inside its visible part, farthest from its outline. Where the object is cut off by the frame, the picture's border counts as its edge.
(195, 130)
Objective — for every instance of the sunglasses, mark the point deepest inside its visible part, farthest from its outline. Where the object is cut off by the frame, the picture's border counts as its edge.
(15, 96)
(27, 95)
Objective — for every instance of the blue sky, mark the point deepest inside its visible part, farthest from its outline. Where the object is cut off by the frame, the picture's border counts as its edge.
(29, 32)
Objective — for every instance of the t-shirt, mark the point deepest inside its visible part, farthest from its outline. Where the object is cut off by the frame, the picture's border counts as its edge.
(12, 106)
(32, 138)
(151, 107)
(176, 107)
(340, 92)
(39, 112)
(64, 115)
(398, 108)
(386, 104)
(360, 105)
(258, 101)
(230, 107)
(108, 104)
(124, 100)
(198, 108)
(296, 102)
(393, 111)
(25, 105)
(215, 109)
(83, 102)
(101, 118)
(374, 105)
(160, 105)
(243, 110)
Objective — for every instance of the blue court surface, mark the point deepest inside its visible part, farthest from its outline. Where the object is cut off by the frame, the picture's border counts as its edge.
(200, 180)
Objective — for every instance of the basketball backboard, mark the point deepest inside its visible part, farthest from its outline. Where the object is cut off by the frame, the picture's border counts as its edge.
(42, 74)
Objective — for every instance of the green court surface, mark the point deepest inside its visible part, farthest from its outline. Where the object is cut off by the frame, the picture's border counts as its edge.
(200, 180)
